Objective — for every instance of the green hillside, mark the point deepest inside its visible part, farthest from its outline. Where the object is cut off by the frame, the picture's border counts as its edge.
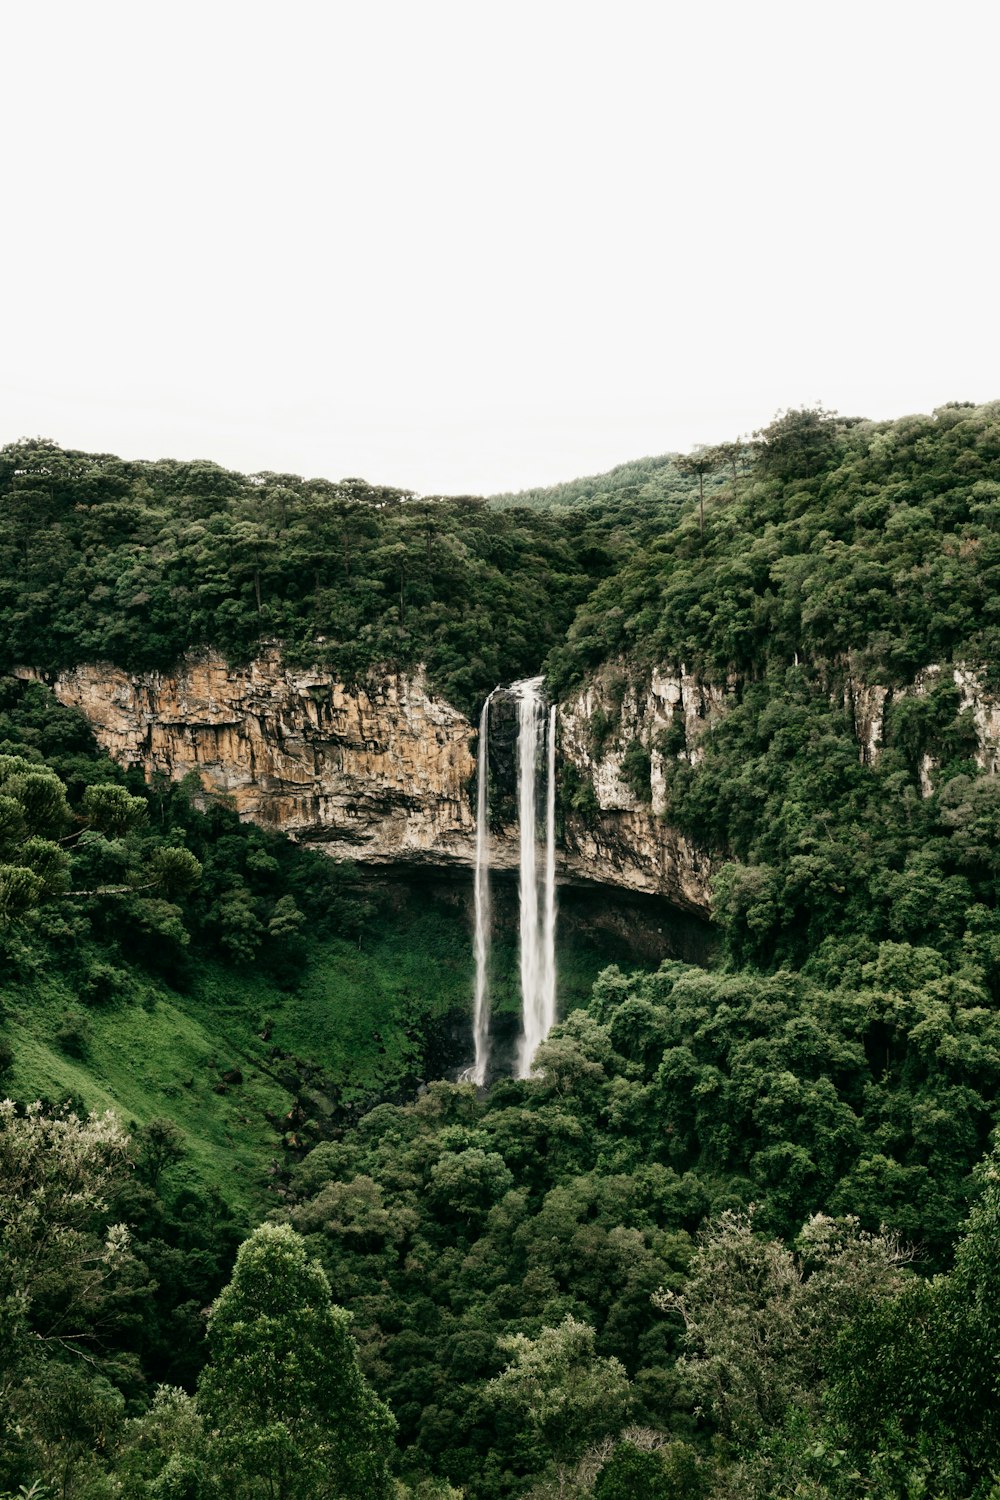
(130, 1001)
(739, 1234)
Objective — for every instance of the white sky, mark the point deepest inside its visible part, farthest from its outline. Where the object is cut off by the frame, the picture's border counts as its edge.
(468, 247)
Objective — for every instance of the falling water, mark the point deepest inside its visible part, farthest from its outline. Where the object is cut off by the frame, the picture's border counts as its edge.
(537, 898)
(538, 979)
(481, 1012)
(529, 724)
(548, 1006)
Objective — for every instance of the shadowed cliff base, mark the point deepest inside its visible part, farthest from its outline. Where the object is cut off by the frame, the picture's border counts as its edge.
(596, 926)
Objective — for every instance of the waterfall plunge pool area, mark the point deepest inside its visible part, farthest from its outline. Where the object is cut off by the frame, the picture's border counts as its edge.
(597, 925)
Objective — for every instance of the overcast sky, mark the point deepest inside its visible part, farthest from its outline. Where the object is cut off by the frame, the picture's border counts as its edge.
(471, 247)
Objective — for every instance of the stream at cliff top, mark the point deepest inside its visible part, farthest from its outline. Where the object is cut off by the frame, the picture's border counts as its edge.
(536, 739)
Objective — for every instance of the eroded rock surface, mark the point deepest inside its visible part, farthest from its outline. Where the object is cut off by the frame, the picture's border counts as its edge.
(626, 833)
(381, 773)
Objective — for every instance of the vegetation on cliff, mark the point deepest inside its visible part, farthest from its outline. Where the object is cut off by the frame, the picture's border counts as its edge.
(136, 563)
(876, 540)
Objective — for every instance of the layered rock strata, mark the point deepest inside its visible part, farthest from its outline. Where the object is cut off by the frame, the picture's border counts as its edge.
(625, 831)
(868, 705)
(380, 773)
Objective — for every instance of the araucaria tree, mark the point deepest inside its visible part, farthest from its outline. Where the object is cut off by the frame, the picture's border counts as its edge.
(294, 1417)
(700, 461)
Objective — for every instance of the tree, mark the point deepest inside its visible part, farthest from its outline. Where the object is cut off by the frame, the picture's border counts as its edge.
(33, 814)
(294, 1415)
(761, 1322)
(163, 1454)
(798, 444)
(923, 1366)
(700, 461)
(570, 1395)
(62, 1270)
(729, 453)
(111, 810)
(58, 1175)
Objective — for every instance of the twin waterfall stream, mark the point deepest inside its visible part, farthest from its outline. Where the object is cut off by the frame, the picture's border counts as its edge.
(536, 737)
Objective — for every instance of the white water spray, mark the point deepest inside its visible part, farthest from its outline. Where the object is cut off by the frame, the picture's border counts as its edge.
(538, 968)
(528, 733)
(481, 1010)
(548, 1006)
(537, 896)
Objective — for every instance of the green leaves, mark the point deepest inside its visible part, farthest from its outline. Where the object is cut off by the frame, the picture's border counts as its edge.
(294, 1416)
(20, 890)
(174, 871)
(568, 1393)
(139, 562)
(111, 810)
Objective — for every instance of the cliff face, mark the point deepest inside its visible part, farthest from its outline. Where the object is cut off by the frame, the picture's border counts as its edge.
(869, 705)
(626, 832)
(612, 718)
(381, 773)
(378, 774)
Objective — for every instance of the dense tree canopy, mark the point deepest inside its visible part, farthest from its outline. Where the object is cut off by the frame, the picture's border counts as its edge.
(137, 562)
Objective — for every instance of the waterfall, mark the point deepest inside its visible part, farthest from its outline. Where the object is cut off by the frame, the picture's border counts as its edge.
(481, 1010)
(538, 964)
(529, 724)
(537, 890)
(548, 1006)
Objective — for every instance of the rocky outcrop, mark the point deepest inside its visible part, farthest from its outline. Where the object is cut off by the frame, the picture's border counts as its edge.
(624, 829)
(868, 704)
(382, 772)
(378, 773)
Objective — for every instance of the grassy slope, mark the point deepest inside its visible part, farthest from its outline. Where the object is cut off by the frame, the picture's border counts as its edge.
(361, 1017)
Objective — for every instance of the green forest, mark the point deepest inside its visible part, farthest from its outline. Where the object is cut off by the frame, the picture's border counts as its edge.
(739, 1236)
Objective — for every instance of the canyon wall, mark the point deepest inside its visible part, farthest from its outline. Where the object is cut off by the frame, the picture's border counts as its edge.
(380, 773)
(624, 829)
(383, 772)
(869, 704)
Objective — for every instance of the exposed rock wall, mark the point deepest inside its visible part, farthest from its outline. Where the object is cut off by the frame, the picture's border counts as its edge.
(626, 832)
(380, 773)
(869, 704)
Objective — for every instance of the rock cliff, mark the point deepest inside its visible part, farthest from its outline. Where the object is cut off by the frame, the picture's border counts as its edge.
(869, 704)
(382, 773)
(378, 773)
(625, 830)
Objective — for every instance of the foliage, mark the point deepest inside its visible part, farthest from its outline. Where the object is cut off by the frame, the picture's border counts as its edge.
(569, 1394)
(66, 1280)
(282, 1389)
(878, 540)
(761, 1322)
(137, 562)
(680, 1222)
